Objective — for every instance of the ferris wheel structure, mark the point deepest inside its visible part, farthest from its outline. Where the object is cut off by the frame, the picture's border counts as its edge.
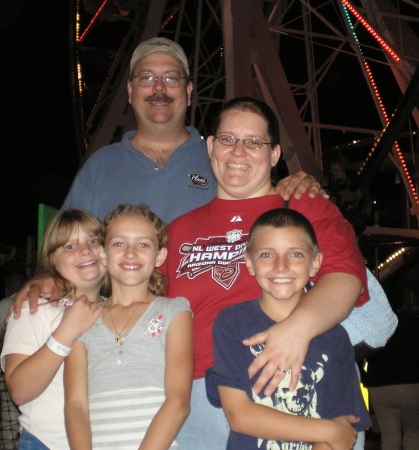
(334, 72)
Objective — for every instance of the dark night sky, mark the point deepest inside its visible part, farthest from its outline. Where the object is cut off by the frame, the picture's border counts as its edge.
(38, 150)
(38, 154)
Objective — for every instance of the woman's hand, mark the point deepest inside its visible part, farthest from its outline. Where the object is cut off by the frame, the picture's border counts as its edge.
(299, 182)
(289, 355)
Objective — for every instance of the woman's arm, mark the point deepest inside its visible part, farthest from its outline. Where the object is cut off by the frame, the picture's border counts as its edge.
(27, 376)
(76, 399)
(339, 283)
(263, 422)
(178, 383)
(325, 305)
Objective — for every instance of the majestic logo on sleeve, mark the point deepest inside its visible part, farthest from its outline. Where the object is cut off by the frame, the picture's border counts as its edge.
(220, 254)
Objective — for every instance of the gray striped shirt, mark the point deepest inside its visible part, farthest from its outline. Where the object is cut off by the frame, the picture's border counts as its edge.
(126, 381)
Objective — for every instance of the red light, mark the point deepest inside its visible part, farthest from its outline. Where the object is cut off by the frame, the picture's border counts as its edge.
(368, 27)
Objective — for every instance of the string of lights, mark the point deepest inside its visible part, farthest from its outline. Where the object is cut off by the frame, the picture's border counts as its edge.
(82, 37)
(392, 257)
(79, 71)
(371, 30)
(102, 89)
(382, 110)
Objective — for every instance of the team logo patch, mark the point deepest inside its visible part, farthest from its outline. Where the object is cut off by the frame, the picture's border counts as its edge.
(222, 255)
(233, 236)
(197, 180)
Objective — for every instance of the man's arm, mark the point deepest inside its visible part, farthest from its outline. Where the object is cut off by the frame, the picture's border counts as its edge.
(42, 283)
(298, 183)
(260, 421)
(371, 325)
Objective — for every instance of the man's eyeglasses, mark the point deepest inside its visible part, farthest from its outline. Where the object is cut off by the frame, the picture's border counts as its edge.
(169, 79)
(230, 141)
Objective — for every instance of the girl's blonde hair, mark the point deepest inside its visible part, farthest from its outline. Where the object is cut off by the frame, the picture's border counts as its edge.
(157, 279)
(58, 233)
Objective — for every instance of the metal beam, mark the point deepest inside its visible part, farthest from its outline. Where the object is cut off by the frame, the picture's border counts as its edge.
(118, 117)
(392, 132)
(249, 49)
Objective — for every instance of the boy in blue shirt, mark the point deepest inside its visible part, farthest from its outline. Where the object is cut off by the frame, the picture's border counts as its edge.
(282, 253)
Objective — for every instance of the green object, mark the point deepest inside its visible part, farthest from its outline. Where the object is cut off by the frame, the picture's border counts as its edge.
(45, 214)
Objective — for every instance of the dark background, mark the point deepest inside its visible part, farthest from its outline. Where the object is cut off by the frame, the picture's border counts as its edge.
(38, 156)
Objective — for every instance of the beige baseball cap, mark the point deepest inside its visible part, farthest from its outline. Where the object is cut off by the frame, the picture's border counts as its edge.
(159, 45)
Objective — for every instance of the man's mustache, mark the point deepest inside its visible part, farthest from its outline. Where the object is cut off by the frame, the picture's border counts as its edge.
(159, 97)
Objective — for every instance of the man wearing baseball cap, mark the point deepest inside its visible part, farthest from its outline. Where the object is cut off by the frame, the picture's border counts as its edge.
(162, 163)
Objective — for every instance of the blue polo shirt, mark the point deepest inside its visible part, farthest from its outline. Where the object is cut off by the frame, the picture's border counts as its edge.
(121, 174)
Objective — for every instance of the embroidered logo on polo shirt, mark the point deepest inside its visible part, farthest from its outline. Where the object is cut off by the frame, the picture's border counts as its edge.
(197, 180)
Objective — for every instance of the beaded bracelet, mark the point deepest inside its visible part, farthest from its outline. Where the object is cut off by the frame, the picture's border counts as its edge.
(58, 348)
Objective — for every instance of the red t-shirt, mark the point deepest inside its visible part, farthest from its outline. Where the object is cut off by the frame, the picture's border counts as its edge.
(205, 262)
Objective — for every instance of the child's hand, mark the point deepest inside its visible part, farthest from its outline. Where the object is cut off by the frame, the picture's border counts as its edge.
(77, 319)
(343, 434)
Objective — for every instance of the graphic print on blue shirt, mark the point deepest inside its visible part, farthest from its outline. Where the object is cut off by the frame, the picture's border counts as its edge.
(328, 386)
(301, 402)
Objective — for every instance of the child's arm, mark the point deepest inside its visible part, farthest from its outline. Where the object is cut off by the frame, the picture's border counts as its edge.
(27, 376)
(178, 382)
(76, 399)
(260, 421)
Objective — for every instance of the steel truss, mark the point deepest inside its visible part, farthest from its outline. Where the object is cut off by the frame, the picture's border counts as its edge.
(315, 62)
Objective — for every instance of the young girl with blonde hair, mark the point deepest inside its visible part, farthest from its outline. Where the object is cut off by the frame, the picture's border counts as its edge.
(129, 377)
(36, 345)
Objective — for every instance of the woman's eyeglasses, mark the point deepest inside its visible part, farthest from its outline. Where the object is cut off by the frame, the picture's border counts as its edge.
(230, 141)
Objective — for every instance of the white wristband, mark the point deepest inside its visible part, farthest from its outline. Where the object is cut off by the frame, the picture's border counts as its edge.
(57, 348)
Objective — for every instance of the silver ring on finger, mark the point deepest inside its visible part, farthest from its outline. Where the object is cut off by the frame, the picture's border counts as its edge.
(281, 370)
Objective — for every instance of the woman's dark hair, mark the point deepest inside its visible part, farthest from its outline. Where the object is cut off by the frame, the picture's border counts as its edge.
(253, 105)
(283, 218)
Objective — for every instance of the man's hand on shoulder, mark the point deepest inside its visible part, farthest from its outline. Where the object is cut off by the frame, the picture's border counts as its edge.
(298, 183)
(32, 290)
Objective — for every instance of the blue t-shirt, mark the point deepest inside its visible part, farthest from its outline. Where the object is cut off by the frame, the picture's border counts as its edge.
(119, 174)
(328, 386)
